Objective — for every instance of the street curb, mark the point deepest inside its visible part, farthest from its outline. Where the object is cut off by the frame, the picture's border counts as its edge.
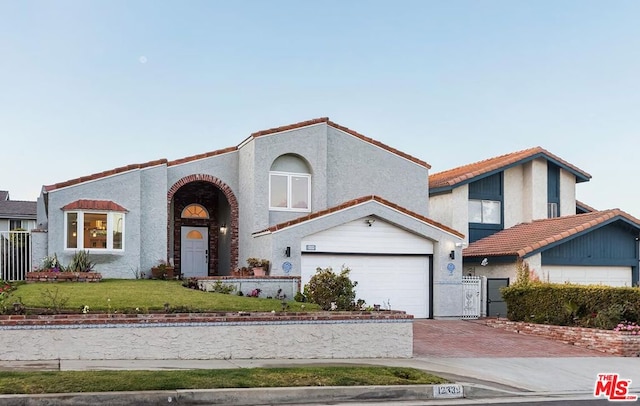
(250, 396)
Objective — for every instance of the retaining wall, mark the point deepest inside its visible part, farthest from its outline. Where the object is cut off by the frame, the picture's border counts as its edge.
(608, 341)
(207, 336)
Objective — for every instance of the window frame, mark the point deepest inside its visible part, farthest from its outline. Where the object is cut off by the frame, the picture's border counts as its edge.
(111, 218)
(290, 176)
(482, 219)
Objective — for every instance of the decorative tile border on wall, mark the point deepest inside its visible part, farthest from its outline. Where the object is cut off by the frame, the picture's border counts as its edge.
(608, 341)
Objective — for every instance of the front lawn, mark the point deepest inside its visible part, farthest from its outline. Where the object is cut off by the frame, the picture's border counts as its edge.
(106, 381)
(126, 295)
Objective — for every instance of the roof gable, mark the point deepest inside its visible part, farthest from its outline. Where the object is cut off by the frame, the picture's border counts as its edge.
(355, 202)
(447, 180)
(527, 238)
(257, 134)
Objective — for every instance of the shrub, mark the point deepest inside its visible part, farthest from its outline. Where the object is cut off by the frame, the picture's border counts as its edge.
(81, 262)
(587, 306)
(327, 287)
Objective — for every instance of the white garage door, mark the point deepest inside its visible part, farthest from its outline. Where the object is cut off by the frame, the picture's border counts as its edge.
(590, 275)
(398, 281)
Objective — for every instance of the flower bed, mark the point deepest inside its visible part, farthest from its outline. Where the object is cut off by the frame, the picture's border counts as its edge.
(622, 343)
(63, 277)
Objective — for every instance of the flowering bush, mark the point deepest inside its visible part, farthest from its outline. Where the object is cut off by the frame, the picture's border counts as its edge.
(628, 327)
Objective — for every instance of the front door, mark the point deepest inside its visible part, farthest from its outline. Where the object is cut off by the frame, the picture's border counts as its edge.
(194, 252)
(496, 306)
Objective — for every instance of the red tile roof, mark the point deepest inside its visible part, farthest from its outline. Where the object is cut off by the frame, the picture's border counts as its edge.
(232, 149)
(452, 177)
(356, 202)
(584, 206)
(525, 238)
(104, 174)
(102, 205)
(344, 129)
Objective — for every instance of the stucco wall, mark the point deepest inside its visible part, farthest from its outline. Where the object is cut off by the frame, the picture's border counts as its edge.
(356, 168)
(123, 189)
(234, 340)
(514, 196)
(567, 193)
(153, 218)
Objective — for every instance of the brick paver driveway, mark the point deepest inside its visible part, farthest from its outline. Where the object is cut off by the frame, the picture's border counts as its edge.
(472, 339)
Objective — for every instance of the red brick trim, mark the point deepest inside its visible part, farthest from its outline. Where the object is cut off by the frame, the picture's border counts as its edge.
(222, 317)
(231, 199)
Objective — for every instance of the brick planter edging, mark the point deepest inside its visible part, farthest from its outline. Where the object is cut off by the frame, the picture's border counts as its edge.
(222, 317)
(608, 341)
(63, 277)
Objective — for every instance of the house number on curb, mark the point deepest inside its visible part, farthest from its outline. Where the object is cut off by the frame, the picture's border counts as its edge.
(286, 267)
(450, 391)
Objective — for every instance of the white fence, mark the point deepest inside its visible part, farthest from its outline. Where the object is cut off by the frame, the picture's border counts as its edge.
(15, 255)
(471, 297)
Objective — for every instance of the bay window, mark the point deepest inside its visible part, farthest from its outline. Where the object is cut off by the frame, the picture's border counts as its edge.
(95, 231)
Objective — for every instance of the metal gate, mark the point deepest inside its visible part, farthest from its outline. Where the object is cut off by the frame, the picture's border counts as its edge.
(15, 255)
(496, 306)
(471, 297)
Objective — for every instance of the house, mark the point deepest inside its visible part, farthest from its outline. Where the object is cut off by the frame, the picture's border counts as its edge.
(16, 214)
(307, 195)
(522, 205)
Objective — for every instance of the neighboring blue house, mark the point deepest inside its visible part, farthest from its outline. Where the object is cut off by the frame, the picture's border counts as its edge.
(523, 205)
(312, 194)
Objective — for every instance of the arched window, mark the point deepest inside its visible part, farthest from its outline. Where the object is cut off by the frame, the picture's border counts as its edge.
(195, 211)
(290, 184)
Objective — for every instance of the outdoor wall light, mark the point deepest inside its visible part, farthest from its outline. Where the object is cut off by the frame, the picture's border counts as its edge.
(223, 228)
(287, 252)
(370, 221)
(452, 255)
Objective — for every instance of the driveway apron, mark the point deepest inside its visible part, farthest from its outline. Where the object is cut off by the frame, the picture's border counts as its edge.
(473, 339)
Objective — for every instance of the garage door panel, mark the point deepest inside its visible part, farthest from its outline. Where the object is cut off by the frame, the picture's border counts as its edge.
(401, 281)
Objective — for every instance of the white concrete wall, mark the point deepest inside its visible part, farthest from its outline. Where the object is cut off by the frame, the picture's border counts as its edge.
(514, 196)
(452, 209)
(567, 193)
(264, 340)
(534, 190)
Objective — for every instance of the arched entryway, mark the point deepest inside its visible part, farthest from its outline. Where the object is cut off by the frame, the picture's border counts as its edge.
(202, 226)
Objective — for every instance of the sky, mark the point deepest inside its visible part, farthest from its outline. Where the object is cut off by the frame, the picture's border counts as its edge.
(87, 86)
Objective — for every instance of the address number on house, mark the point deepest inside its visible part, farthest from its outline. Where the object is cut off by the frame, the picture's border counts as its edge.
(450, 391)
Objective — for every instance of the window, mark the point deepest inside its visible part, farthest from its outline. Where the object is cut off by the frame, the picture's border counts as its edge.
(484, 211)
(94, 231)
(289, 191)
(15, 224)
(195, 211)
(552, 210)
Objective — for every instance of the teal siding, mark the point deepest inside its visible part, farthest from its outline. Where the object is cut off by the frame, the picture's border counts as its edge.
(553, 184)
(489, 188)
(612, 245)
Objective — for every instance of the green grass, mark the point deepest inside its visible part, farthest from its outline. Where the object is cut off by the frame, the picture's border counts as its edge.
(105, 381)
(147, 295)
